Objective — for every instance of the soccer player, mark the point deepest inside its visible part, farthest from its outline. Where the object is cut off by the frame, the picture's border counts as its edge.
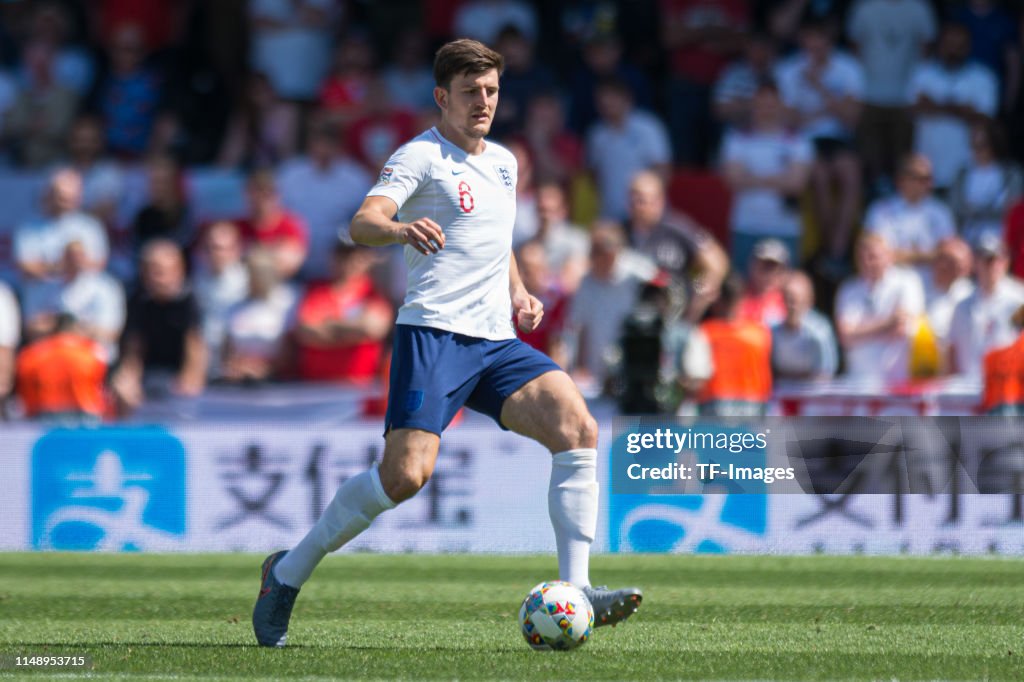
(455, 344)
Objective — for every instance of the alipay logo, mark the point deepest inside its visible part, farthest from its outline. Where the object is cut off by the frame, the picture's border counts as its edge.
(647, 516)
(713, 523)
(108, 489)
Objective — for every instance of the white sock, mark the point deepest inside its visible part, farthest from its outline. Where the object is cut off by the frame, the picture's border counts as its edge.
(356, 504)
(572, 504)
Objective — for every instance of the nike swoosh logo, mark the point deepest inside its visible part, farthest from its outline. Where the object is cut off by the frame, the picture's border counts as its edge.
(455, 172)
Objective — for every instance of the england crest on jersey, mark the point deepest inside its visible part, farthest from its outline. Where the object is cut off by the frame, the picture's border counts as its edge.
(506, 177)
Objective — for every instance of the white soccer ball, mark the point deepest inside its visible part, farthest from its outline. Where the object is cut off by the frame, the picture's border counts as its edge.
(556, 615)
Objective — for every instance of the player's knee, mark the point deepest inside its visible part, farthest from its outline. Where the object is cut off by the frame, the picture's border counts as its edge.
(403, 482)
(579, 430)
(587, 431)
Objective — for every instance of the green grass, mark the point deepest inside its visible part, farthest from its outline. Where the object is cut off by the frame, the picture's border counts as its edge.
(430, 617)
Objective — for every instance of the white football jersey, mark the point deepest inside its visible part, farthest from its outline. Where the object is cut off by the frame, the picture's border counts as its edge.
(464, 288)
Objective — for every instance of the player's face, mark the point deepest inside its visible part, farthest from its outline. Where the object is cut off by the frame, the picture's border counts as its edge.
(469, 103)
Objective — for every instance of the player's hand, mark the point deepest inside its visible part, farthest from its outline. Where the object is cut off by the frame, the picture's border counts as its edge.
(424, 235)
(529, 312)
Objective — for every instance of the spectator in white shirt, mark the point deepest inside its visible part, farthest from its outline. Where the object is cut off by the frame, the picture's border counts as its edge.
(483, 20)
(567, 246)
(874, 313)
(622, 143)
(256, 336)
(291, 44)
(767, 168)
(913, 221)
(981, 322)
(984, 191)
(325, 188)
(92, 297)
(823, 87)
(604, 300)
(220, 282)
(949, 94)
(948, 284)
(803, 344)
(10, 335)
(889, 56)
(39, 245)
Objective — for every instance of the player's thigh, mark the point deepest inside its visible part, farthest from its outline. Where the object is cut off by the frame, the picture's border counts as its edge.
(408, 462)
(550, 410)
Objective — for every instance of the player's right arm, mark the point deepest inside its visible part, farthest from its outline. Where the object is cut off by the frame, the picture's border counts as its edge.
(374, 225)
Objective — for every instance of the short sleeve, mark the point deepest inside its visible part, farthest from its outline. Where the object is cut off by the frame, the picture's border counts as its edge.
(401, 176)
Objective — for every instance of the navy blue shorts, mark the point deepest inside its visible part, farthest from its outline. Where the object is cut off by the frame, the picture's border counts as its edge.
(435, 372)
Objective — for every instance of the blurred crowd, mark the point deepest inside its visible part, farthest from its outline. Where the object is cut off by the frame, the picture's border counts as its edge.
(714, 195)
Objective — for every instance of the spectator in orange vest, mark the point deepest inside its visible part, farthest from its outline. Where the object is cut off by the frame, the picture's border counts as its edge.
(1004, 375)
(741, 383)
(61, 375)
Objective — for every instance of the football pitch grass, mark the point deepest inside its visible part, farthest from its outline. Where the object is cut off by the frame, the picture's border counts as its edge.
(446, 617)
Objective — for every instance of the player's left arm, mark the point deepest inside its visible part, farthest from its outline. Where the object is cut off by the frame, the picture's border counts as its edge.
(527, 308)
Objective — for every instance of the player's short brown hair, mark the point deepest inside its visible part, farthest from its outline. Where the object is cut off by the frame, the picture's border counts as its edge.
(464, 56)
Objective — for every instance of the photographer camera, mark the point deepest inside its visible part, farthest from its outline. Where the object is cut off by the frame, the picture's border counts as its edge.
(664, 359)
